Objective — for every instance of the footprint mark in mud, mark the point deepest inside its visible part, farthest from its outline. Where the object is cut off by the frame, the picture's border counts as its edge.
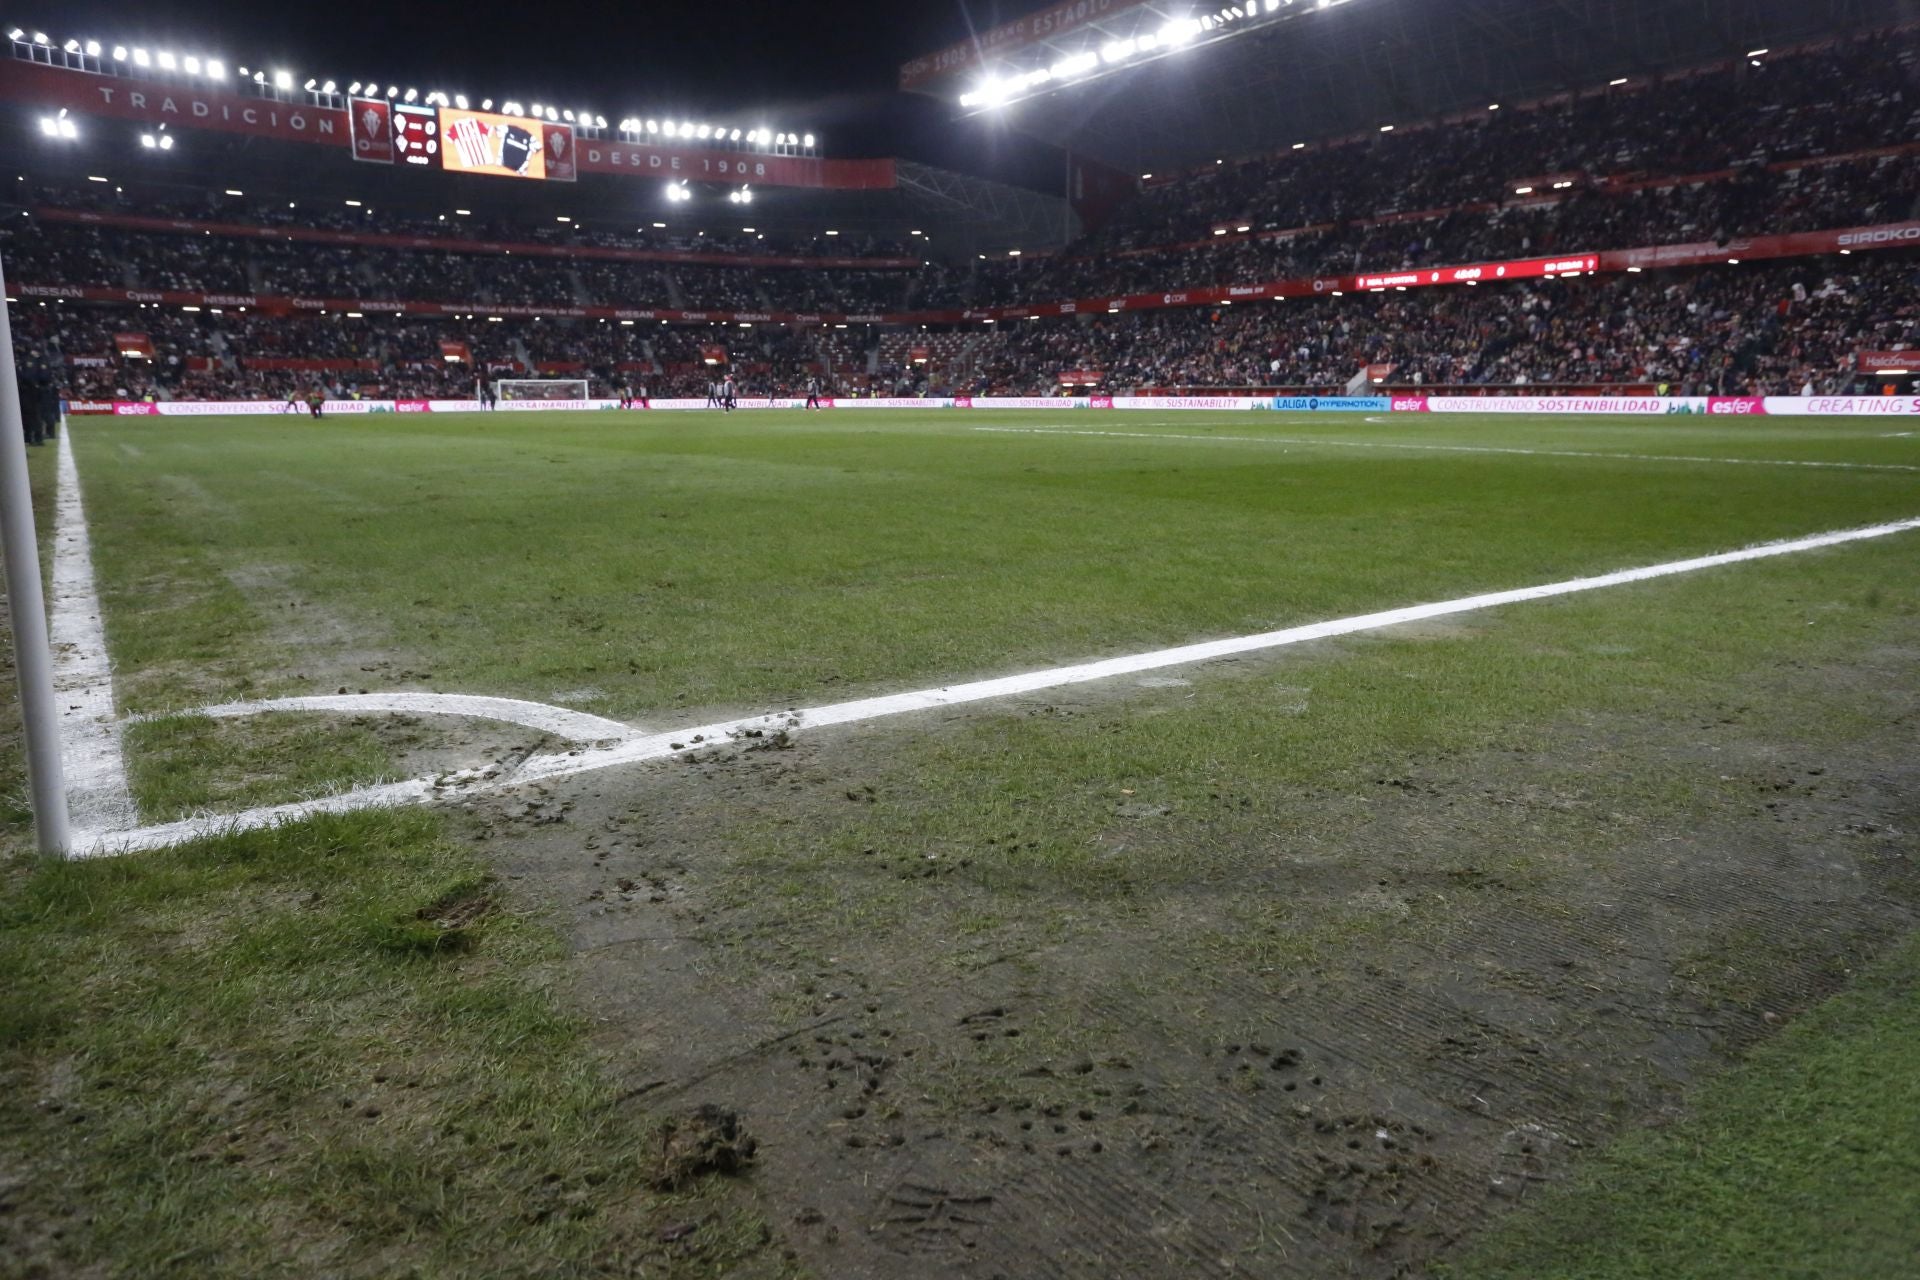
(918, 1217)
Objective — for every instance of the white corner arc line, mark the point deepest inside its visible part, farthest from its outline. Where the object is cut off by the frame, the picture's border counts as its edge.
(90, 746)
(1331, 443)
(577, 726)
(660, 746)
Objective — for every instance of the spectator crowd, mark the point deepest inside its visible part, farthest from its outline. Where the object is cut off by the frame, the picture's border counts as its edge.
(1809, 140)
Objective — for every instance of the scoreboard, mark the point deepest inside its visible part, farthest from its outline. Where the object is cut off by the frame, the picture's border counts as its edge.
(460, 141)
(416, 136)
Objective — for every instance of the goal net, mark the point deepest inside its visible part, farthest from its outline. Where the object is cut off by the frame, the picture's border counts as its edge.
(541, 388)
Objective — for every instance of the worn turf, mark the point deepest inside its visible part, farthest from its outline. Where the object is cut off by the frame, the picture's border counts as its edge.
(1129, 980)
(1785, 1167)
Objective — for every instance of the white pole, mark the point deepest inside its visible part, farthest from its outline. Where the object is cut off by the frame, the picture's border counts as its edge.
(27, 605)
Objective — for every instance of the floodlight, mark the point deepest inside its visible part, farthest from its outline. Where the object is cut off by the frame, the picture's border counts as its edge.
(166, 142)
(328, 87)
(568, 114)
(40, 37)
(808, 141)
(653, 126)
(140, 58)
(164, 60)
(460, 101)
(72, 46)
(706, 131)
(216, 69)
(191, 64)
(93, 48)
(734, 136)
(311, 84)
(146, 139)
(283, 79)
(15, 33)
(410, 94)
(119, 53)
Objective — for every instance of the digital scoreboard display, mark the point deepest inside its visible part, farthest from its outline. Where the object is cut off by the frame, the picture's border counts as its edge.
(505, 146)
(416, 134)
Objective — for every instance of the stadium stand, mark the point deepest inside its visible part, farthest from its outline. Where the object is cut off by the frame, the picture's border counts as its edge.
(1809, 141)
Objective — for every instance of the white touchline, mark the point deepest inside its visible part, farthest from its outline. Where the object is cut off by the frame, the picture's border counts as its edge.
(559, 721)
(90, 749)
(659, 746)
(1453, 448)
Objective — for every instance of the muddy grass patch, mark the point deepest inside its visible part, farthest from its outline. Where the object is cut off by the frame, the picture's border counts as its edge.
(983, 1016)
(264, 1084)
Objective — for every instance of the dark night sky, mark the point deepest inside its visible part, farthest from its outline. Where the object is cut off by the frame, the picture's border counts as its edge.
(829, 68)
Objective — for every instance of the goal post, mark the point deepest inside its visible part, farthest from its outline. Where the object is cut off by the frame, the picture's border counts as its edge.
(541, 389)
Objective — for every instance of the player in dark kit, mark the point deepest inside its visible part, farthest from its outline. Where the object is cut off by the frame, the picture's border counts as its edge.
(728, 400)
(623, 390)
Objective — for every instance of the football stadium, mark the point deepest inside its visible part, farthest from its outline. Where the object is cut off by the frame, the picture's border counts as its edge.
(1105, 641)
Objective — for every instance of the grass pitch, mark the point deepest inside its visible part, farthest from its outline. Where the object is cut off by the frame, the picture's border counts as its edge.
(638, 564)
(1510, 882)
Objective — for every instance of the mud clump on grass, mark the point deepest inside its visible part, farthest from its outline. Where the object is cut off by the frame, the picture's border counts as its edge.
(459, 910)
(451, 922)
(708, 1140)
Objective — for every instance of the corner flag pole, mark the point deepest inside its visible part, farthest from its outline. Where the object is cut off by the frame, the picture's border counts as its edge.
(27, 606)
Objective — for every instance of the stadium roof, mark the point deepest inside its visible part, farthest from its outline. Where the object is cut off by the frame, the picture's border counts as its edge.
(1076, 75)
